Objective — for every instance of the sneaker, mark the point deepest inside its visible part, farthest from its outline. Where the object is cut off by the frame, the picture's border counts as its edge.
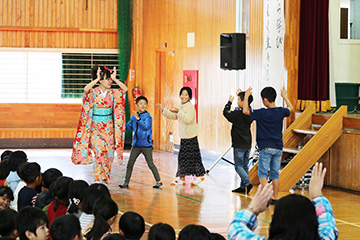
(124, 185)
(248, 188)
(239, 190)
(272, 201)
(157, 185)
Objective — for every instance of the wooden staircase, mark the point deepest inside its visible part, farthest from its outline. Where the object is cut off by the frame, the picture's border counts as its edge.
(305, 158)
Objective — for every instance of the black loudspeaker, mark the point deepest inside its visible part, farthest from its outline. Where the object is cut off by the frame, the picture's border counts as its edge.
(232, 51)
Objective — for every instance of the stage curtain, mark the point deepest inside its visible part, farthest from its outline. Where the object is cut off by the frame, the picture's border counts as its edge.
(125, 27)
(313, 83)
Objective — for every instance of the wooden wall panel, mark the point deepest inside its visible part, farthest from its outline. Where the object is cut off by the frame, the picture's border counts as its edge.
(58, 24)
(163, 21)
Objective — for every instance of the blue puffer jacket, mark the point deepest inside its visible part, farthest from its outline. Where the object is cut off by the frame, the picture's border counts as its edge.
(142, 130)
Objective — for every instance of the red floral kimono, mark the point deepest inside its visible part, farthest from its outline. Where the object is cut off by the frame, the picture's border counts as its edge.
(100, 131)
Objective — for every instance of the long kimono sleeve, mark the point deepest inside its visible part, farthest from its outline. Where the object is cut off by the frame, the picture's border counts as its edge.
(119, 122)
(81, 151)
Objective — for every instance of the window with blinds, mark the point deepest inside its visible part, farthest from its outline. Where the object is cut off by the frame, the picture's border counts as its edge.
(76, 71)
(48, 77)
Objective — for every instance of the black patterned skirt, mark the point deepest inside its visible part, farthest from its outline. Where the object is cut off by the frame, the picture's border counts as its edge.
(189, 160)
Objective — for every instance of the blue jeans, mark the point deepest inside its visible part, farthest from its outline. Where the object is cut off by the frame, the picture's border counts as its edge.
(269, 158)
(241, 159)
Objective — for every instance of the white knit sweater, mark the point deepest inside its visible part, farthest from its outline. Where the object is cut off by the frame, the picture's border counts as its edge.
(188, 127)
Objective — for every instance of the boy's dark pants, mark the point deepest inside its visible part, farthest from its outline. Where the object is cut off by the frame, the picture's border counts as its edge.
(135, 152)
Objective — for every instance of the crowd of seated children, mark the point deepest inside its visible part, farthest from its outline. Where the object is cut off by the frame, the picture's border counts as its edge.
(294, 215)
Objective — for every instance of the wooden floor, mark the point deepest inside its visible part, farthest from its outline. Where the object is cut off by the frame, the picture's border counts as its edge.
(211, 204)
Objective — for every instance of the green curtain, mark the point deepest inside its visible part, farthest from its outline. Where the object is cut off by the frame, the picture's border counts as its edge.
(125, 12)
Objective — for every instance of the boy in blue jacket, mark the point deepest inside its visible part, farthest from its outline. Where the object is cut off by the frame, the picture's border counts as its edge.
(141, 125)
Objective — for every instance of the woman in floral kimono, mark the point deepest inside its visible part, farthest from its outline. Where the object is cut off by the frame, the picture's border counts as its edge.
(101, 125)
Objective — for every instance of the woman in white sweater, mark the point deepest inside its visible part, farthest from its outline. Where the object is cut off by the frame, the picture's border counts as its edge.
(189, 159)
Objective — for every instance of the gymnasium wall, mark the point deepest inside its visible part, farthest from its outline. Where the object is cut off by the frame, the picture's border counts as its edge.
(160, 31)
(58, 24)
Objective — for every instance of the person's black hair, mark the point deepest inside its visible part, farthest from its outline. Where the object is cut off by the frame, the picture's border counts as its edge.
(104, 209)
(4, 169)
(161, 231)
(104, 74)
(29, 219)
(92, 193)
(50, 176)
(59, 191)
(269, 93)
(194, 232)
(29, 172)
(16, 158)
(5, 190)
(132, 225)
(65, 227)
(242, 97)
(216, 236)
(76, 194)
(188, 90)
(141, 98)
(114, 236)
(294, 218)
(6, 154)
(7, 222)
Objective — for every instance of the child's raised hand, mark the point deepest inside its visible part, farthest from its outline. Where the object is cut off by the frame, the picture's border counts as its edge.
(136, 115)
(283, 92)
(113, 75)
(231, 98)
(238, 91)
(98, 73)
(317, 180)
(248, 92)
(160, 106)
(260, 201)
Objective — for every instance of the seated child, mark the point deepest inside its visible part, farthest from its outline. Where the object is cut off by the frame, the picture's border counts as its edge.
(15, 159)
(6, 196)
(66, 227)
(132, 225)
(59, 192)
(193, 231)
(31, 224)
(48, 177)
(105, 212)
(76, 195)
(294, 215)
(30, 173)
(161, 231)
(92, 193)
(141, 125)
(7, 224)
